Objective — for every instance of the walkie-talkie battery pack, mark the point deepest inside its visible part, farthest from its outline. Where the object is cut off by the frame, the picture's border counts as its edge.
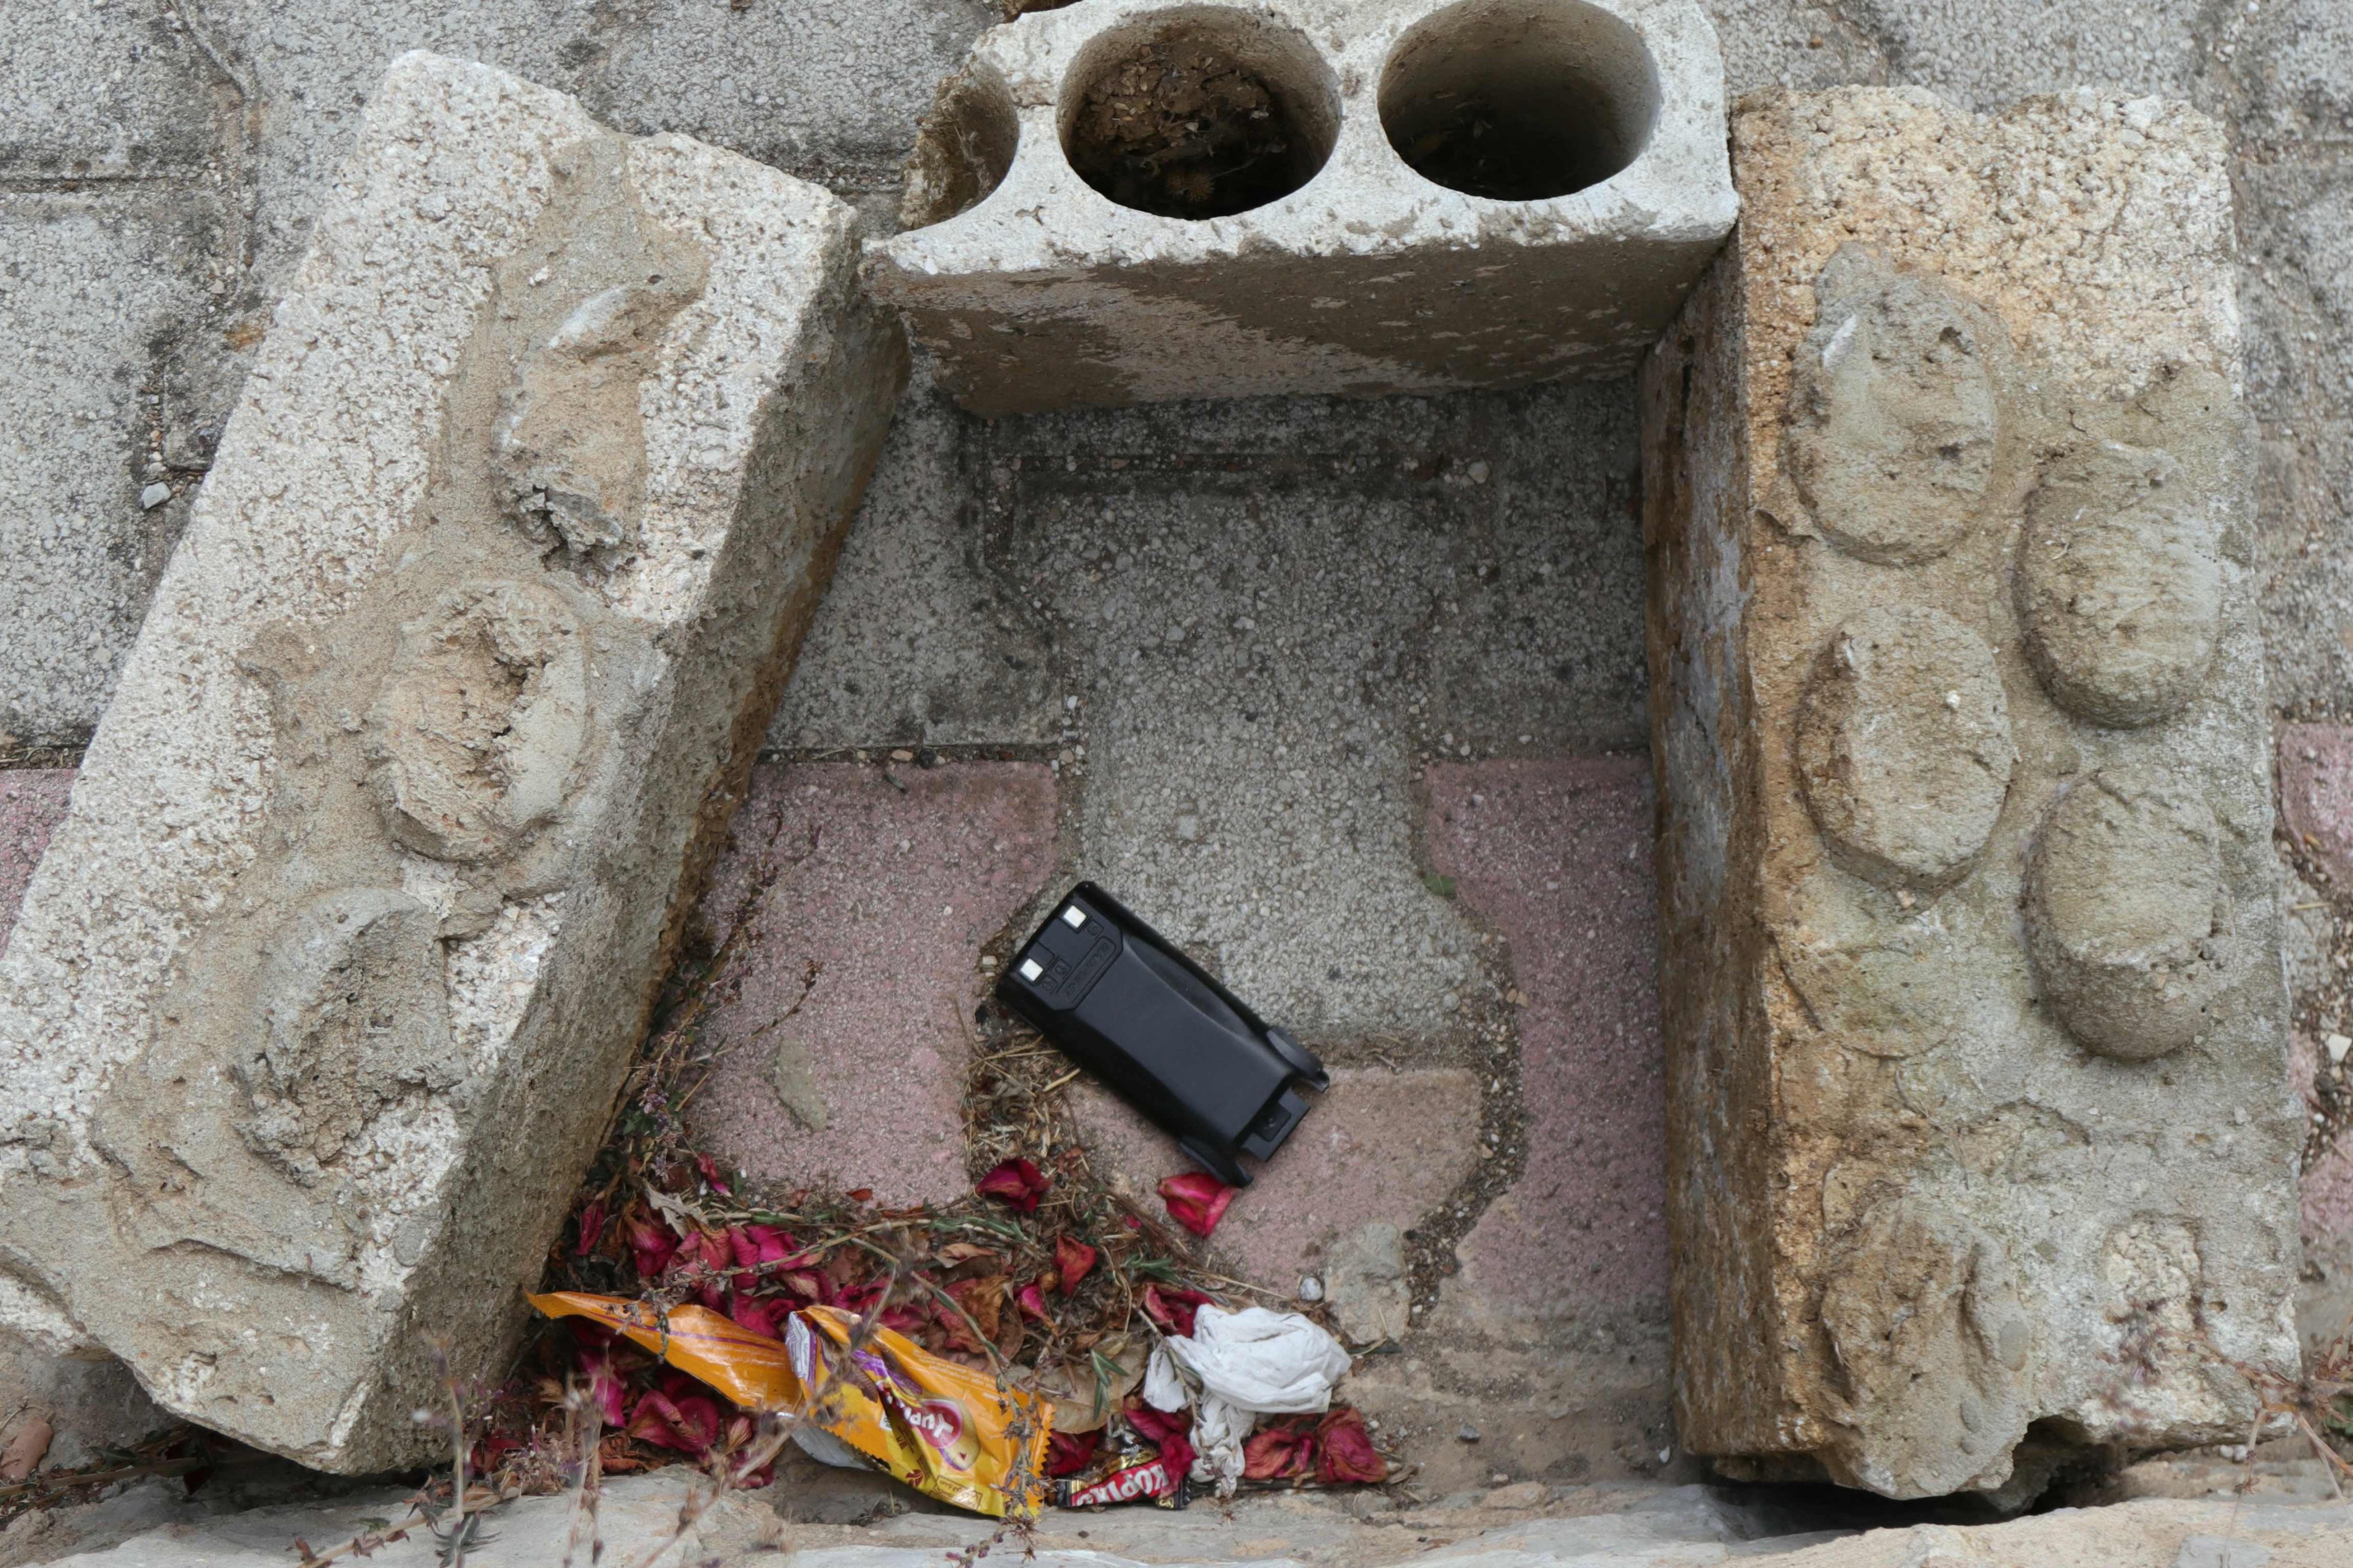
(1120, 1000)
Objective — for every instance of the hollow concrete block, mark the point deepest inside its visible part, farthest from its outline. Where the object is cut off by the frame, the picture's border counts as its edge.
(1982, 1145)
(1126, 201)
(320, 999)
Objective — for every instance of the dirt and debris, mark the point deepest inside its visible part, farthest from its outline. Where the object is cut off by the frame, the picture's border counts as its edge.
(1043, 1277)
(1182, 128)
(1505, 151)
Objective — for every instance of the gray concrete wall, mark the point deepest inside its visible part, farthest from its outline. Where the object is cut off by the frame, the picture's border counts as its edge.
(161, 162)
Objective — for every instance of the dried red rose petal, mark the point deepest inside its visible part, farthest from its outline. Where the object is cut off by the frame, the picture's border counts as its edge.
(1172, 1430)
(709, 1169)
(1344, 1451)
(689, 1423)
(594, 1368)
(652, 1243)
(1068, 1453)
(761, 1316)
(1171, 1307)
(1018, 1181)
(1280, 1450)
(591, 1227)
(1072, 1258)
(762, 1246)
(1033, 1302)
(1197, 1200)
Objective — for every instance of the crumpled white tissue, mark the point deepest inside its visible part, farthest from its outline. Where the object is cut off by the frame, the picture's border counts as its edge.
(1234, 1368)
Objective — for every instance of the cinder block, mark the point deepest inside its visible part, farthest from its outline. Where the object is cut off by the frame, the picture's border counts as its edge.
(1128, 201)
(317, 1005)
(1981, 1140)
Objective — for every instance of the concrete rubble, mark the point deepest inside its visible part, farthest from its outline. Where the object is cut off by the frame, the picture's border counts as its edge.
(316, 1007)
(1109, 206)
(1981, 1138)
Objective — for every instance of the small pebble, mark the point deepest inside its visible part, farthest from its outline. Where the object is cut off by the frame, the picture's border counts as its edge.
(153, 496)
(1469, 1433)
(1311, 1289)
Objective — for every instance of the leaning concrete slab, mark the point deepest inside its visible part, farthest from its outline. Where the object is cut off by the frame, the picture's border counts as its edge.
(1981, 1139)
(1126, 202)
(317, 1005)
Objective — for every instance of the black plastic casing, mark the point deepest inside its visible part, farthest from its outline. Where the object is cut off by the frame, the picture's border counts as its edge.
(1120, 1000)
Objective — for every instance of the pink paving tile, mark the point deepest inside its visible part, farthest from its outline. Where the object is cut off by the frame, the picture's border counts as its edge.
(2328, 1197)
(2316, 795)
(853, 981)
(1379, 1146)
(1556, 854)
(32, 804)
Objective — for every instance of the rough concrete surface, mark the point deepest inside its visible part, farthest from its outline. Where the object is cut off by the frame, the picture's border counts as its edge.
(1263, 616)
(1039, 282)
(851, 906)
(91, 286)
(1953, 622)
(1682, 1527)
(315, 1006)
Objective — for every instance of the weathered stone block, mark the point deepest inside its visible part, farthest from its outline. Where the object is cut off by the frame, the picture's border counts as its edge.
(1123, 202)
(1981, 1138)
(317, 1006)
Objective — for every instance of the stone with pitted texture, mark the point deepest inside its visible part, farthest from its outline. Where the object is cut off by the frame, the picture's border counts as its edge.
(316, 1007)
(1904, 743)
(1980, 1137)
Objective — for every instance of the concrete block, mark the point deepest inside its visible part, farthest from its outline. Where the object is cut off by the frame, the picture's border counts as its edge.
(316, 1007)
(1123, 202)
(1979, 1111)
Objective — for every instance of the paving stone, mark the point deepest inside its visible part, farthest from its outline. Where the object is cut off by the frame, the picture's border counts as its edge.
(2315, 769)
(917, 643)
(1977, 1037)
(91, 285)
(1555, 853)
(827, 90)
(2295, 62)
(32, 804)
(1334, 189)
(1264, 630)
(858, 907)
(318, 1001)
(1985, 54)
(104, 88)
(1381, 1148)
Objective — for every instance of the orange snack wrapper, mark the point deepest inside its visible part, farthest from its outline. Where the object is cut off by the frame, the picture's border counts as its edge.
(950, 1432)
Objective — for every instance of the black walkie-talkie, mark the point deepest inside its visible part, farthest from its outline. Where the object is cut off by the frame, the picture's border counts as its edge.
(1118, 998)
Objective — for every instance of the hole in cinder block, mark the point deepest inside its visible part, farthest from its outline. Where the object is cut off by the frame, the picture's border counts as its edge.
(963, 150)
(1519, 101)
(1200, 113)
